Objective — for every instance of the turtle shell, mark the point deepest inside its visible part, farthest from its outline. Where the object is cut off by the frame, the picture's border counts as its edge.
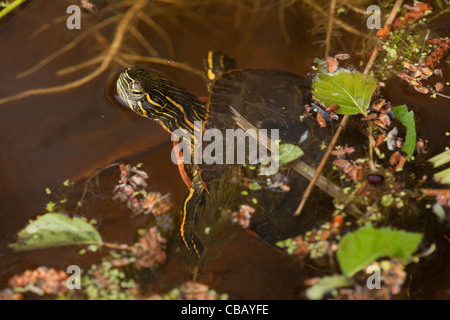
(268, 99)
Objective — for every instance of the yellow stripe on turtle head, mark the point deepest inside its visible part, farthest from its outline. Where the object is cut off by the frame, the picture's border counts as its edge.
(144, 112)
(209, 60)
(180, 107)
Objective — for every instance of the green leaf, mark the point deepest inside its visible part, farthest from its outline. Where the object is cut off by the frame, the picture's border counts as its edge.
(407, 119)
(326, 284)
(351, 91)
(254, 186)
(365, 245)
(289, 152)
(53, 230)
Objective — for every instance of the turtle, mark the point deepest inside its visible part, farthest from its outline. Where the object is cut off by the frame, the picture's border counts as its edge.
(269, 99)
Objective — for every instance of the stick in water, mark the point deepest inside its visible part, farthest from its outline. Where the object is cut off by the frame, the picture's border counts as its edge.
(344, 121)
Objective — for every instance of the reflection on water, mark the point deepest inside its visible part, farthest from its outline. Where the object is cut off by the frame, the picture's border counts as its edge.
(46, 139)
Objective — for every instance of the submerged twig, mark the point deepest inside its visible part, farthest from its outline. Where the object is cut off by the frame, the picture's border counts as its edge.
(160, 31)
(114, 51)
(338, 22)
(344, 121)
(88, 181)
(141, 39)
(434, 192)
(109, 56)
(179, 65)
(282, 23)
(354, 8)
(301, 167)
(80, 66)
(330, 27)
(10, 7)
(67, 47)
(442, 95)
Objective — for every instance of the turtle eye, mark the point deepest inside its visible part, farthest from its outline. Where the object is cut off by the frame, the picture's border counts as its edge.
(136, 89)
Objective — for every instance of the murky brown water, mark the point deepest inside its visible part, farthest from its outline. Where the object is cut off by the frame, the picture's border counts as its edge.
(47, 139)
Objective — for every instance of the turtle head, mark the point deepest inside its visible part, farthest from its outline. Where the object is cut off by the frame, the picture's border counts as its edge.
(153, 96)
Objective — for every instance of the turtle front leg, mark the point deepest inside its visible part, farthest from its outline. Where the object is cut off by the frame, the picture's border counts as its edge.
(189, 208)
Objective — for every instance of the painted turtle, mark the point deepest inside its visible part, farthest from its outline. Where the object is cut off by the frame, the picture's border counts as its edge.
(268, 99)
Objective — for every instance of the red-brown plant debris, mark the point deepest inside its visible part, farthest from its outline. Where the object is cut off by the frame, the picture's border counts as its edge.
(302, 247)
(195, 291)
(41, 281)
(190, 290)
(132, 191)
(8, 294)
(442, 196)
(149, 251)
(150, 248)
(439, 52)
(415, 13)
(244, 215)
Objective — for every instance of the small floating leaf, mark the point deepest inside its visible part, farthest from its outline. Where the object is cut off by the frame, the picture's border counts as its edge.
(363, 246)
(289, 152)
(50, 207)
(326, 284)
(351, 91)
(407, 119)
(254, 186)
(53, 230)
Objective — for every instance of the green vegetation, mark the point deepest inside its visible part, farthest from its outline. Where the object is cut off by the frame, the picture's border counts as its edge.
(327, 284)
(289, 152)
(367, 244)
(55, 229)
(407, 119)
(351, 91)
(370, 225)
